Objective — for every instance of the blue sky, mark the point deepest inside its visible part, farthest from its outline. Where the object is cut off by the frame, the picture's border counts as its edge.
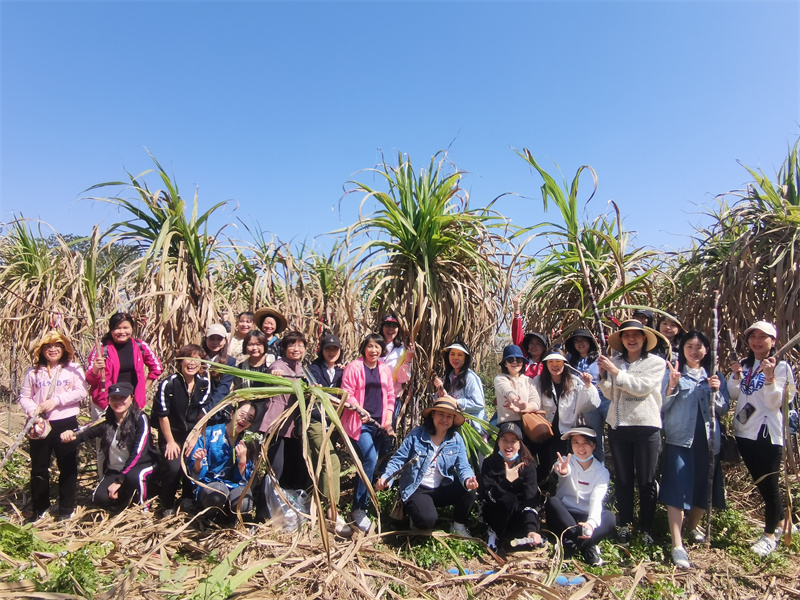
(276, 105)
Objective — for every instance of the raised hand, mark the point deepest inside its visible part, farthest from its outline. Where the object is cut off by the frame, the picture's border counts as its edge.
(562, 464)
(512, 473)
(674, 375)
(587, 379)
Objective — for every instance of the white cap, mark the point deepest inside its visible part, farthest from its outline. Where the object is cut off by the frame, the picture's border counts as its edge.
(764, 326)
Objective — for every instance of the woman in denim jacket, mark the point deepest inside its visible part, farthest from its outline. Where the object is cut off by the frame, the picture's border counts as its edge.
(434, 470)
(687, 427)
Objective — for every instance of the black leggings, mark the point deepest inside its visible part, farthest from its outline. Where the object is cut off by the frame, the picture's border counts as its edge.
(561, 520)
(510, 518)
(762, 457)
(67, 460)
(134, 486)
(422, 504)
(635, 451)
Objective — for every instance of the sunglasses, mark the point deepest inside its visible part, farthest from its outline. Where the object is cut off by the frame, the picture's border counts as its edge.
(514, 359)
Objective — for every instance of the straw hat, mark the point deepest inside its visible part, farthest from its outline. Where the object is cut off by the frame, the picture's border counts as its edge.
(262, 313)
(448, 405)
(54, 337)
(615, 339)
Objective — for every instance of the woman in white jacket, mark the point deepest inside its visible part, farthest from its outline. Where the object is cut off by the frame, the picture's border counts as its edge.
(632, 381)
(565, 398)
(756, 386)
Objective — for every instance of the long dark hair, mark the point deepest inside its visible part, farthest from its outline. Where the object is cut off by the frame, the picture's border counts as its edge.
(525, 457)
(706, 362)
(221, 359)
(126, 432)
(398, 339)
(546, 382)
(460, 380)
(114, 322)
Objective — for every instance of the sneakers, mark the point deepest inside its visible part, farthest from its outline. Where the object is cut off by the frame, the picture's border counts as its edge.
(361, 520)
(681, 558)
(697, 536)
(460, 530)
(591, 556)
(67, 517)
(624, 535)
(492, 542)
(647, 538)
(764, 546)
(341, 527)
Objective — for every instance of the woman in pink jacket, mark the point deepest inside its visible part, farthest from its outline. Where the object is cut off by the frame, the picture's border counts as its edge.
(371, 388)
(123, 358)
(53, 390)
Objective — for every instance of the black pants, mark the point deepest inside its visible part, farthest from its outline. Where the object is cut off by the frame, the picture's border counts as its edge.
(170, 476)
(561, 520)
(509, 518)
(134, 486)
(225, 497)
(422, 504)
(286, 457)
(67, 461)
(762, 457)
(635, 450)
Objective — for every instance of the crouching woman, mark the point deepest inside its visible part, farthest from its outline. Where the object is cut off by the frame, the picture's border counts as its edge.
(510, 490)
(433, 469)
(126, 443)
(223, 463)
(576, 511)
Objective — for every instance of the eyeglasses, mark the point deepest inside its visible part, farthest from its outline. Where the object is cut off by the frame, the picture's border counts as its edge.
(514, 359)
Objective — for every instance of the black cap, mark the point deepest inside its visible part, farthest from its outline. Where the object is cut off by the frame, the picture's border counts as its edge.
(509, 427)
(329, 340)
(123, 388)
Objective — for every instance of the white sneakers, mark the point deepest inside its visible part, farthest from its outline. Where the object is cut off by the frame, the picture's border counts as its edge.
(492, 542)
(681, 558)
(361, 520)
(764, 546)
(341, 527)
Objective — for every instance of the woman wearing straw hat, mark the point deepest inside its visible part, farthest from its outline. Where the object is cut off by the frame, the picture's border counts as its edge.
(271, 322)
(756, 386)
(435, 469)
(53, 389)
(633, 383)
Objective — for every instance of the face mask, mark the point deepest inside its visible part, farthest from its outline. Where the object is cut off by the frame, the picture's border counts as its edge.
(584, 460)
(513, 458)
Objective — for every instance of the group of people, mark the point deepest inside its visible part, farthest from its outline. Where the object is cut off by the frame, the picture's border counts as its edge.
(553, 402)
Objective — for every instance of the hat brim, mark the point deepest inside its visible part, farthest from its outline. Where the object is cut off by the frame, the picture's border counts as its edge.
(262, 313)
(615, 339)
(53, 337)
(570, 343)
(458, 418)
(458, 347)
(584, 431)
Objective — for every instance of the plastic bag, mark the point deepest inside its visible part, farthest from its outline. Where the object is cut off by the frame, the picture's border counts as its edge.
(286, 517)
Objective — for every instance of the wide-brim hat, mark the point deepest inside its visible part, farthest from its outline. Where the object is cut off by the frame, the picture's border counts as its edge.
(280, 321)
(615, 339)
(763, 326)
(512, 351)
(584, 431)
(448, 405)
(54, 337)
(456, 346)
(584, 333)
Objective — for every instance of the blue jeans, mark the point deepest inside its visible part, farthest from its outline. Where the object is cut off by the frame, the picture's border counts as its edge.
(372, 444)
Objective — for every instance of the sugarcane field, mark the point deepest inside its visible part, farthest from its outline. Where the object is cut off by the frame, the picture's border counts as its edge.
(443, 403)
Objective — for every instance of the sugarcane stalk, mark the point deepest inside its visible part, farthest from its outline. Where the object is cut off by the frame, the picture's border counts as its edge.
(20, 437)
(712, 414)
(598, 323)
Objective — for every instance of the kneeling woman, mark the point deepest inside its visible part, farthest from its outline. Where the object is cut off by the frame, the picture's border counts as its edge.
(126, 443)
(434, 470)
(576, 510)
(212, 463)
(509, 488)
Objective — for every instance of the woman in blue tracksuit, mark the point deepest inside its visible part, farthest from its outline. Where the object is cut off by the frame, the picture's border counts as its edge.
(435, 469)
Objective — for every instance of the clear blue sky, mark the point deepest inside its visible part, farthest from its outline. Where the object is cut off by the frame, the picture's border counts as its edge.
(275, 105)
